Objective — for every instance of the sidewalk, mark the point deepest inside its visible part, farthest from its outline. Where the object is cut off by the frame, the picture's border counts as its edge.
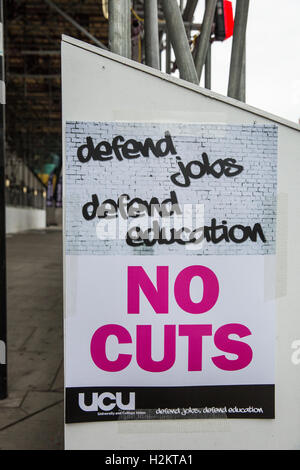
(31, 418)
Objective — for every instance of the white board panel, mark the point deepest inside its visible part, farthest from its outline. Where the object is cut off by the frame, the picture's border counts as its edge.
(99, 88)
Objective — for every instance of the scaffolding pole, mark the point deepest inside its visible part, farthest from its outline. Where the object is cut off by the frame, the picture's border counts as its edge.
(242, 96)
(168, 54)
(204, 41)
(235, 84)
(188, 13)
(207, 76)
(179, 41)
(151, 34)
(119, 31)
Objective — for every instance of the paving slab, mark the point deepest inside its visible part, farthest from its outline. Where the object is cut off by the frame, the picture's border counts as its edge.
(14, 399)
(58, 384)
(31, 417)
(10, 416)
(38, 401)
(41, 431)
(32, 370)
(44, 339)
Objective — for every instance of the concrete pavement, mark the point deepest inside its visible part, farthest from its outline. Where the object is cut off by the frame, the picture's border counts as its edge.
(31, 418)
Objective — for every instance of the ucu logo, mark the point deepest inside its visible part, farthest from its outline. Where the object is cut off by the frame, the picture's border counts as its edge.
(106, 401)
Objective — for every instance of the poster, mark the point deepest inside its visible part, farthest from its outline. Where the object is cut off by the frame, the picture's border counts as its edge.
(169, 240)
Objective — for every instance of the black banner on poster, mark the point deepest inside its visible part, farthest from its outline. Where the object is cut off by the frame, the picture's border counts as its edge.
(84, 404)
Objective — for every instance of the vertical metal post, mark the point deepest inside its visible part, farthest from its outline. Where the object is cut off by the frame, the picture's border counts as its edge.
(168, 54)
(119, 32)
(207, 77)
(188, 14)
(151, 34)
(189, 10)
(242, 96)
(179, 41)
(3, 347)
(204, 40)
(238, 48)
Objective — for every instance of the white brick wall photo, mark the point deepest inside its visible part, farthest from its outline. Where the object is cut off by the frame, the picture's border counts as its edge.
(245, 199)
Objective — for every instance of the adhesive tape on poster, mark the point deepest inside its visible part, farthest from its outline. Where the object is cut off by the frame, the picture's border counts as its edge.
(175, 426)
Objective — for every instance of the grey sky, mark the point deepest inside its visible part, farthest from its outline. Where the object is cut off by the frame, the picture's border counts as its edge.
(273, 57)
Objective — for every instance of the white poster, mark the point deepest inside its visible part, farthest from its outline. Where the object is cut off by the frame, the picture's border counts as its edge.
(170, 264)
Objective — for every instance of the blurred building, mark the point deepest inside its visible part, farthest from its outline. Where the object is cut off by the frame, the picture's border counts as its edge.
(32, 35)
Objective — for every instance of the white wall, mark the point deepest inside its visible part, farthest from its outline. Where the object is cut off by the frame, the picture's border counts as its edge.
(19, 219)
(99, 86)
